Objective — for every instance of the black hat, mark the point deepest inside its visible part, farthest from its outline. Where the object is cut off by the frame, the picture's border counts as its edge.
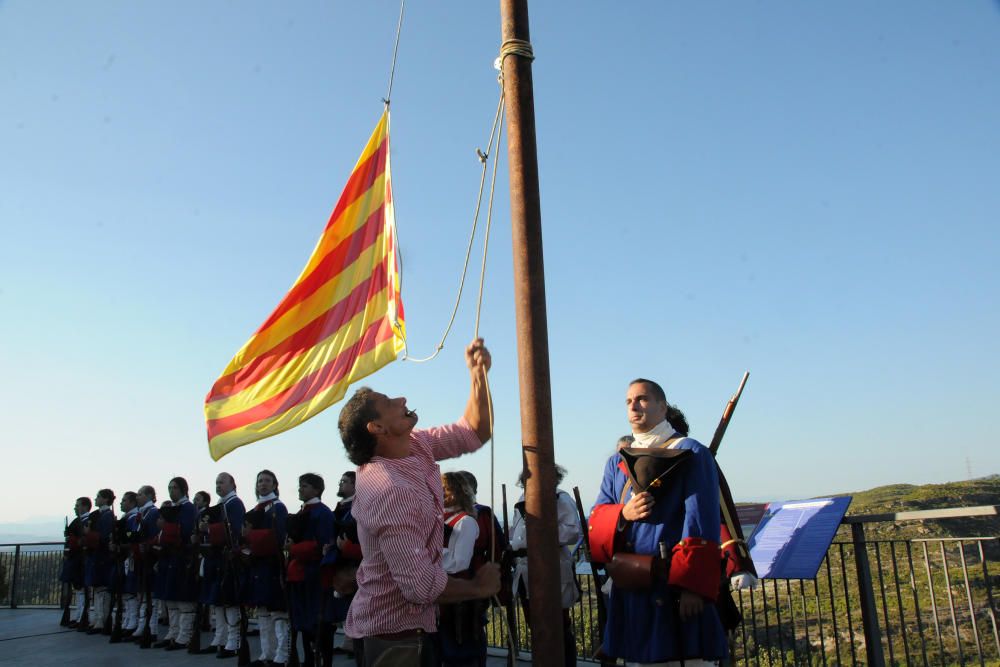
(214, 513)
(171, 513)
(296, 526)
(256, 518)
(651, 469)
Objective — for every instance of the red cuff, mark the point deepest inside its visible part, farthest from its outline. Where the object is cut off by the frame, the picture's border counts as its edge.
(217, 534)
(296, 572)
(736, 559)
(351, 550)
(694, 566)
(262, 542)
(170, 533)
(306, 552)
(603, 532)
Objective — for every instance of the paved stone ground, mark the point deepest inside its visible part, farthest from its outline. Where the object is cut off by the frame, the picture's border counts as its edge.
(33, 637)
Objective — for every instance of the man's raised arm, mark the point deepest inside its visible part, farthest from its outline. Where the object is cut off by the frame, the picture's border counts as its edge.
(477, 410)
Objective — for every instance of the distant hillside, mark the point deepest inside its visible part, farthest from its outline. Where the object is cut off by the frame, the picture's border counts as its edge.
(909, 497)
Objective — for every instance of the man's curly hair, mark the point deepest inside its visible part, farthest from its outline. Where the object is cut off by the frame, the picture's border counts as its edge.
(353, 424)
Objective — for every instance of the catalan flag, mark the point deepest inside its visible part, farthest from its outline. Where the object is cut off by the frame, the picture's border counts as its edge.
(341, 321)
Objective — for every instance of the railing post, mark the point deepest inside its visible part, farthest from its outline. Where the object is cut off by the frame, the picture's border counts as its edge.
(13, 577)
(869, 617)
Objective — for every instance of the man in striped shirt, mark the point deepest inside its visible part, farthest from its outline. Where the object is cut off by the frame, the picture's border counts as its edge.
(399, 510)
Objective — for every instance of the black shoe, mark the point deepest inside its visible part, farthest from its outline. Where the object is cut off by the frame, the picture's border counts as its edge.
(163, 643)
(94, 631)
(174, 646)
(225, 653)
(73, 624)
(261, 663)
(208, 649)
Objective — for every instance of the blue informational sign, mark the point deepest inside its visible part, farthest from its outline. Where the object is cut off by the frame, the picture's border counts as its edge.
(792, 538)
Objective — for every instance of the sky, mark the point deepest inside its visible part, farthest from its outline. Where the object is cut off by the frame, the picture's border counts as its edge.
(807, 191)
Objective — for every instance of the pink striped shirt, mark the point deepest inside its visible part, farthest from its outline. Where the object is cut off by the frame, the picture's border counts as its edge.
(400, 512)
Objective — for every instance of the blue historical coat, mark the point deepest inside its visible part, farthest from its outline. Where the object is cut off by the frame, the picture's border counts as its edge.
(174, 575)
(99, 566)
(266, 541)
(305, 593)
(335, 608)
(72, 565)
(222, 575)
(644, 626)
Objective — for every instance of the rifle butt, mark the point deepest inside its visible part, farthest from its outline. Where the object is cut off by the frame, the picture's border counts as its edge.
(243, 653)
(194, 644)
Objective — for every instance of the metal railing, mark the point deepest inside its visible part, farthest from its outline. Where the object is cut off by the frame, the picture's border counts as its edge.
(922, 601)
(927, 601)
(29, 574)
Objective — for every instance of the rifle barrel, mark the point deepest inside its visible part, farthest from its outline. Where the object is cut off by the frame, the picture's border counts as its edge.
(727, 415)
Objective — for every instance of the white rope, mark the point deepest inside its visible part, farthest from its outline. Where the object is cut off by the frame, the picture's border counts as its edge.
(395, 50)
(484, 160)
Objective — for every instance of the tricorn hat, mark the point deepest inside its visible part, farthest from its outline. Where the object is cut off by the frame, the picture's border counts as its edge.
(296, 526)
(651, 469)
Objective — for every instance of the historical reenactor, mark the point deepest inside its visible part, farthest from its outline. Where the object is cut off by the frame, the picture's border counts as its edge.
(73, 558)
(398, 508)
(656, 526)
(568, 520)
(308, 531)
(99, 566)
(461, 625)
(265, 533)
(222, 528)
(149, 530)
(177, 586)
(127, 537)
(339, 568)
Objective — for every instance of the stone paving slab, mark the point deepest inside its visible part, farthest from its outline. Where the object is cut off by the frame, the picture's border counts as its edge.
(33, 637)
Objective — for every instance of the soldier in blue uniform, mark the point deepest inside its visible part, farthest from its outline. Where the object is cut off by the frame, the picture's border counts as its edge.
(177, 585)
(341, 557)
(672, 520)
(72, 566)
(265, 531)
(99, 566)
(221, 582)
(149, 530)
(128, 536)
(308, 531)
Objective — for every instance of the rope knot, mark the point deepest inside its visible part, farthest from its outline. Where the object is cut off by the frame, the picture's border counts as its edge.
(516, 47)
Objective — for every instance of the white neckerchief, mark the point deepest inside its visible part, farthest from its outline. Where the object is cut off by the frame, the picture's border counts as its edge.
(148, 506)
(348, 499)
(104, 508)
(132, 512)
(268, 497)
(312, 501)
(229, 496)
(182, 501)
(654, 437)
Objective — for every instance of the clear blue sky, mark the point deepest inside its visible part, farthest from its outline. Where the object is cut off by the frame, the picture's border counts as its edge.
(805, 190)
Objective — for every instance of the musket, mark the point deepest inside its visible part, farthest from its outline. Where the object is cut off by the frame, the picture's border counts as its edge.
(84, 622)
(232, 561)
(293, 649)
(598, 584)
(146, 638)
(510, 610)
(116, 632)
(67, 587)
(194, 644)
(727, 415)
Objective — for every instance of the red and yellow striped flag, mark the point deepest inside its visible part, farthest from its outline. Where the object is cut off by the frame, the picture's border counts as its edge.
(340, 321)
